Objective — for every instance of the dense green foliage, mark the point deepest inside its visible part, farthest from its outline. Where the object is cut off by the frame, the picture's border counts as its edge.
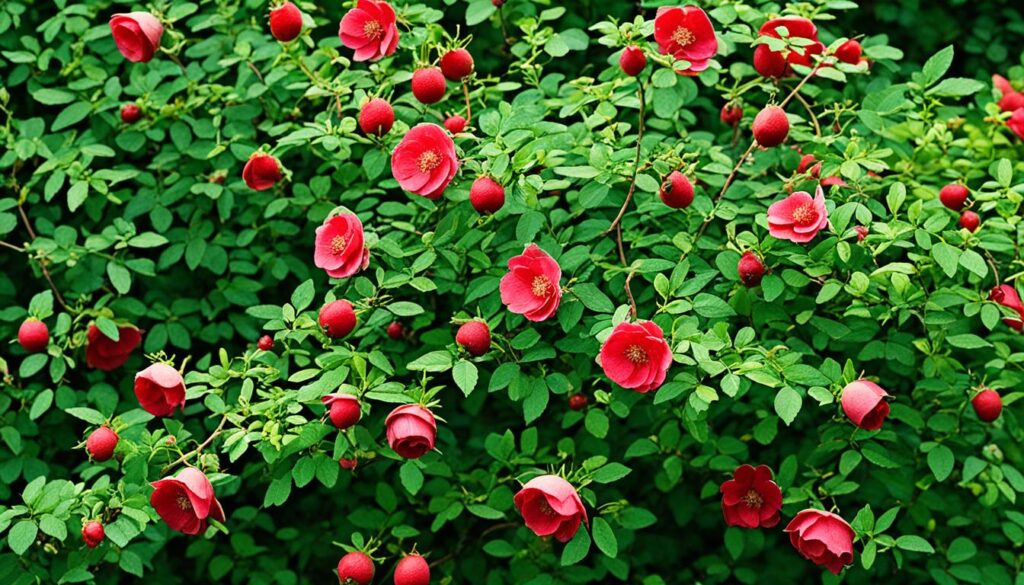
(151, 224)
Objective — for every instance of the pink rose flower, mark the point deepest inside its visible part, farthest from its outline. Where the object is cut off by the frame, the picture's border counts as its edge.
(531, 288)
(340, 246)
(103, 353)
(160, 389)
(864, 404)
(751, 499)
(636, 356)
(186, 501)
(771, 63)
(137, 35)
(1007, 296)
(822, 538)
(550, 506)
(1016, 123)
(798, 218)
(686, 33)
(424, 162)
(370, 30)
(411, 430)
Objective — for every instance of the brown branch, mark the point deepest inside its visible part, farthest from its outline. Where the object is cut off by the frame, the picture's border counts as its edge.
(465, 91)
(11, 246)
(186, 456)
(810, 112)
(636, 166)
(42, 261)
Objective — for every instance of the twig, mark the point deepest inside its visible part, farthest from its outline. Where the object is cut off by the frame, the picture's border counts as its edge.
(810, 112)
(185, 456)
(636, 167)
(42, 261)
(465, 91)
(11, 246)
(629, 294)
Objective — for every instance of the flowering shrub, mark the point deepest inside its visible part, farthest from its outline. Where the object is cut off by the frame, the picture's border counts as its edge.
(506, 292)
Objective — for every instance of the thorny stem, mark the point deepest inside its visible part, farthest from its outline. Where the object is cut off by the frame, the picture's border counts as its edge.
(186, 456)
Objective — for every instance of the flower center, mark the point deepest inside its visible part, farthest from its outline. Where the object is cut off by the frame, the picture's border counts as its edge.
(183, 503)
(373, 30)
(752, 499)
(547, 510)
(540, 286)
(429, 161)
(636, 354)
(805, 215)
(682, 36)
(337, 245)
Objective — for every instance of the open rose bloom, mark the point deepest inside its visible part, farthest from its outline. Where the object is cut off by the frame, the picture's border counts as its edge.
(771, 63)
(532, 286)
(411, 430)
(103, 353)
(1010, 100)
(160, 389)
(370, 30)
(823, 538)
(686, 34)
(550, 506)
(1016, 123)
(1007, 296)
(864, 404)
(137, 35)
(340, 246)
(186, 502)
(424, 162)
(636, 356)
(799, 217)
(751, 499)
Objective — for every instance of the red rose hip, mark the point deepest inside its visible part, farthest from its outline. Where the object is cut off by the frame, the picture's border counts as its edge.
(343, 409)
(412, 570)
(969, 221)
(33, 335)
(101, 444)
(395, 330)
(849, 52)
(953, 196)
(486, 195)
(337, 318)
(355, 568)
(455, 123)
(130, 113)
(457, 64)
(93, 534)
(266, 343)
(771, 127)
(428, 85)
(750, 269)
(475, 337)
(348, 464)
(731, 114)
(261, 172)
(376, 117)
(987, 405)
(577, 402)
(632, 61)
(676, 191)
(285, 22)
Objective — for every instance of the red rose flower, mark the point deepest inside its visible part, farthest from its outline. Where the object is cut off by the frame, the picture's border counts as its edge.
(864, 404)
(137, 35)
(343, 409)
(771, 63)
(551, 506)
(424, 162)
(160, 389)
(411, 430)
(186, 502)
(822, 538)
(103, 353)
(1007, 296)
(1016, 123)
(751, 499)
(686, 34)
(636, 356)
(370, 30)
(531, 288)
(799, 217)
(340, 246)
(261, 172)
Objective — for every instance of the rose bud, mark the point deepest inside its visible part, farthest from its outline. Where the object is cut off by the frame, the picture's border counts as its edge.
(261, 172)
(953, 196)
(92, 534)
(455, 123)
(456, 64)
(822, 538)
(1007, 296)
(751, 499)
(676, 191)
(337, 318)
(412, 570)
(864, 404)
(806, 163)
(343, 409)
(186, 502)
(348, 464)
(550, 506)
(130, 113)
(475, 337)
(104, 353)
(987, 405)
(355, 568)
(376, 117)
(636, 356)
(160, 389)
(33, 335)
(137, 35)
(849, 52)
(411, 430)
(731, 114)
(486, 195)
(266, 343)
(101, 444)
(577, 402)
(862, 232)
(285, 22)
(633, 60)
(750, 268)
(532, 286)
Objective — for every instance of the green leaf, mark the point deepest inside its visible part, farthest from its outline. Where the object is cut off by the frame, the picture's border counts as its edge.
(956, 87)
(71, 115)
(787, 404)
(412, 477)
(914, 544)
(604, 537)
(712, 307)
(465, 375)
(435, 361)
(576, 549)
(87, 414)
(593, 298)
(405, 309)
(479, 11)
(937, 65)
(53, 97)
(303, 296)
(23, 534)
(535, 403)
(120, 277)
(961, 549)
(611, 472)
(947, 257)
(940, 461)
(967, 341)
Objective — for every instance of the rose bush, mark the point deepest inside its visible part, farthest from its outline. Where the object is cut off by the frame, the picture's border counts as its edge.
(462, 291)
